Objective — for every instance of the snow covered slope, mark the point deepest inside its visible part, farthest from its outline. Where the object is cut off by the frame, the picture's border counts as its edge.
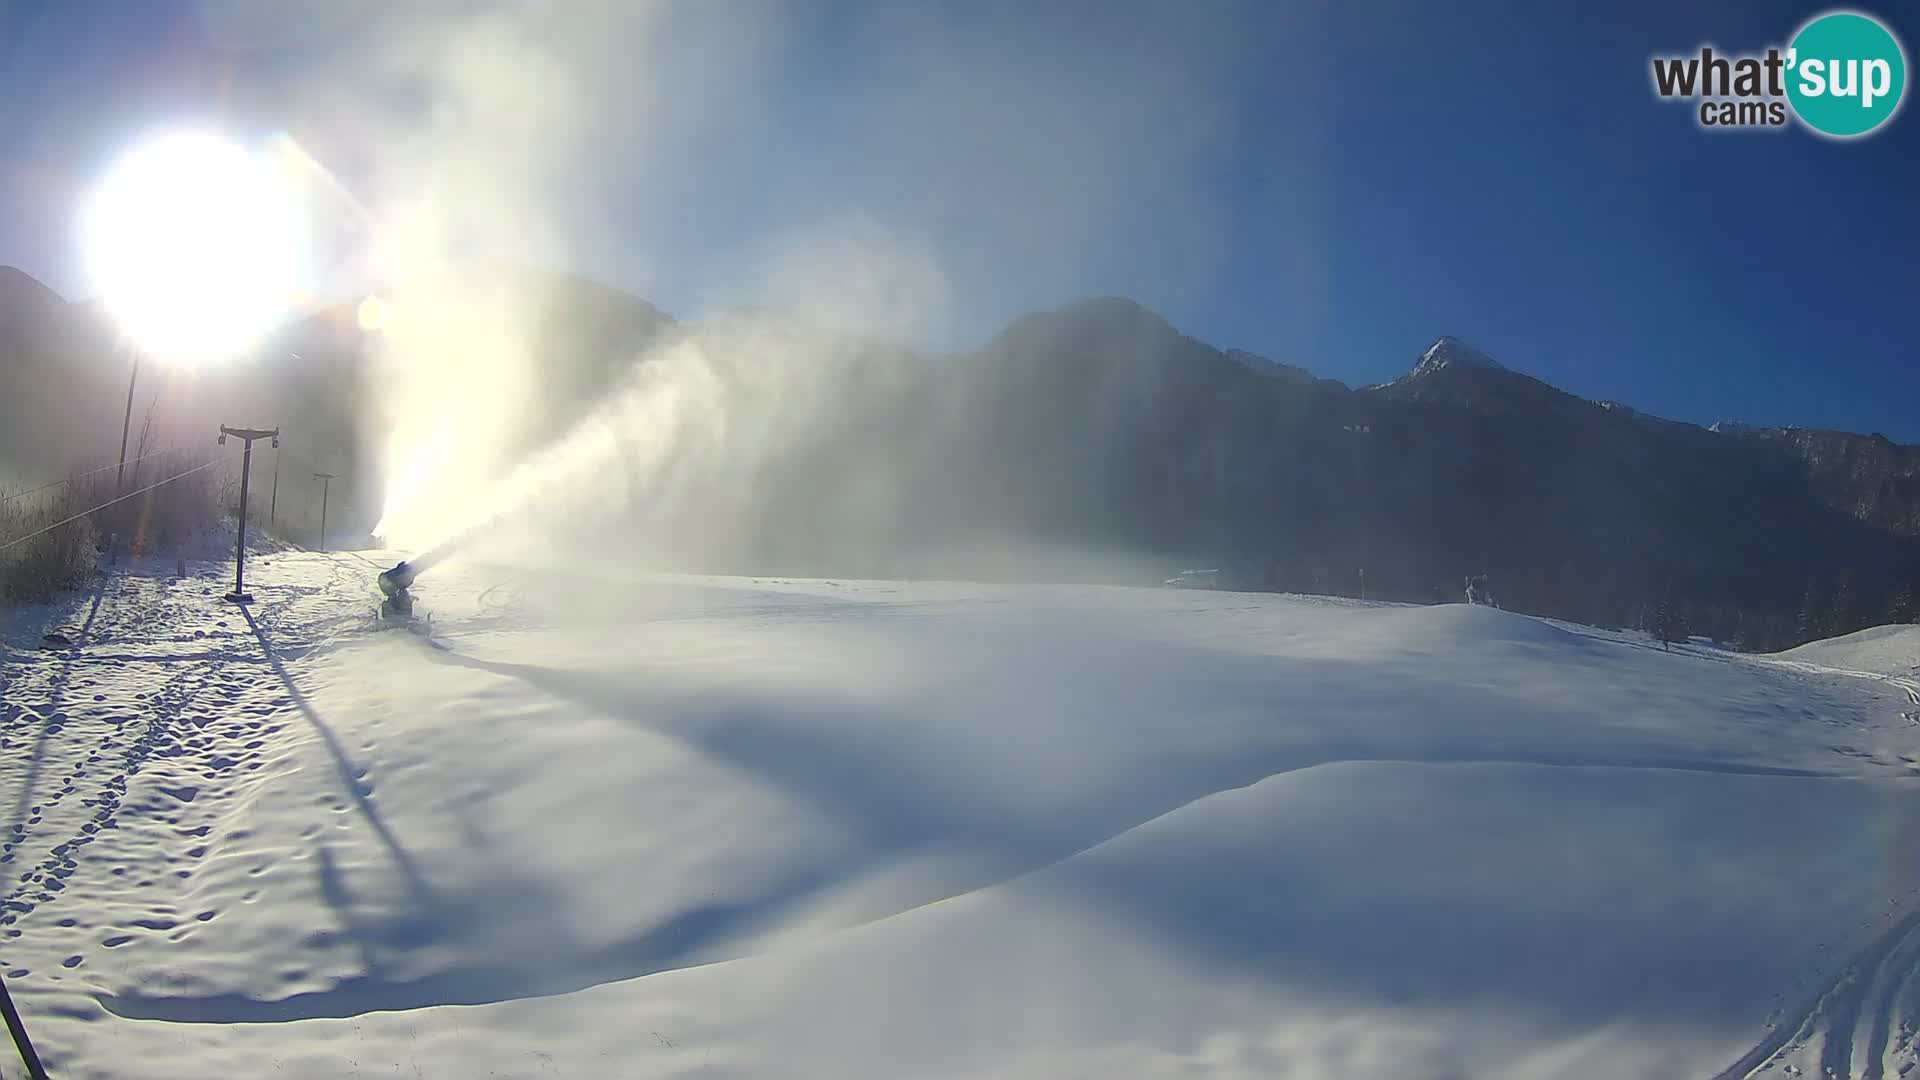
(1883, 650)
(634, 827)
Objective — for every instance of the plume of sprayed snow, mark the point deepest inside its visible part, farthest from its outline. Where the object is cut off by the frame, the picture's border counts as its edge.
(668, 405)
(858, 275)
(950, 170)
(681, 451)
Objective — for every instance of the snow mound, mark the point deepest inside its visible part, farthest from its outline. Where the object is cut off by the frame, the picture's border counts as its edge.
(1883, 650)
(1365, 919)
(1465, 624)
(605, 823)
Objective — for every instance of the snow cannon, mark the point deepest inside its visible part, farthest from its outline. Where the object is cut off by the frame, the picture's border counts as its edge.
(394, 584)
(397, 580)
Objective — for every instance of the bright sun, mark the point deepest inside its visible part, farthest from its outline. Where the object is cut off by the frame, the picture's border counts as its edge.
(197, 245)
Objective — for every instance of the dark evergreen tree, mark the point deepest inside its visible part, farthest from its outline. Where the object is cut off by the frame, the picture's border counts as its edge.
(1810, 622)
(1679, 623)
(1900, 608)
(1670, 623)
(1846, 617)
(1719, 622)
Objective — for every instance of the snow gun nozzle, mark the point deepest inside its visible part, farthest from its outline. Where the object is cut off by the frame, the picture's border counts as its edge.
(398, 579)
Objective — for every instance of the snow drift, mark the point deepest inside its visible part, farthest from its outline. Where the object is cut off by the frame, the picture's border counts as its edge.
(611, 826)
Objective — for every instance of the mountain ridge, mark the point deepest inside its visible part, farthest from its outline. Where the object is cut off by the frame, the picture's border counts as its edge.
(1100, 425)
(1447, 351)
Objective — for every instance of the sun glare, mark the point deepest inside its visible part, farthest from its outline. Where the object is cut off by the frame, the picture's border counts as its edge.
(372, 314)
(197, 245)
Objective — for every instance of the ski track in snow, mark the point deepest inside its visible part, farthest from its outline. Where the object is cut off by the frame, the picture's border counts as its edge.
(150, 785)
(1851, 1021)
(1907, 685)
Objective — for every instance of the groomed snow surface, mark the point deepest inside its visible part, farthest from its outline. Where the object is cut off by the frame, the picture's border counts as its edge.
(624, 826)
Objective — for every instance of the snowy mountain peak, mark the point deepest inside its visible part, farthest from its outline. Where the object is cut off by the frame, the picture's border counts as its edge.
(1449, 351)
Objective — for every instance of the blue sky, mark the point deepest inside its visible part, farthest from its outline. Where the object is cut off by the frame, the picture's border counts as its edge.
(1333, 185)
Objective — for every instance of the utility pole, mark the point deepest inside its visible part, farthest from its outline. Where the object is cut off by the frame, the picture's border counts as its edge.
(273, 504)
(239, 595)
(126, 422)
(326, 482)
(120, 476)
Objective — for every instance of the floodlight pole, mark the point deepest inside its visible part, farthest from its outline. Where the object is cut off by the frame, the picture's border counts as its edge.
(273, 503)
(239, 595)
(326, 482)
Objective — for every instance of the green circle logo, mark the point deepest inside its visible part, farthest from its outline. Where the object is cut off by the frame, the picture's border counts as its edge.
(1845, 74)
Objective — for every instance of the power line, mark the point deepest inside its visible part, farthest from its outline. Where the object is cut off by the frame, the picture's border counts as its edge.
(104, 505)
(77, 476)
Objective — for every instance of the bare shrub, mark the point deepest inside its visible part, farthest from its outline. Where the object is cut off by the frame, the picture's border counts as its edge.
(34, 569)
(40, 561)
